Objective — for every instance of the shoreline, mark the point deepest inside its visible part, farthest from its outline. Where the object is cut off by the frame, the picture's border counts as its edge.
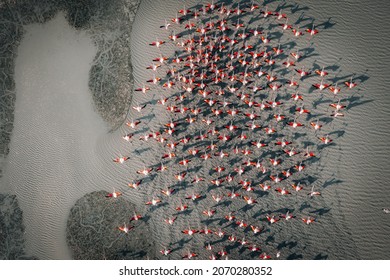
(336, 237)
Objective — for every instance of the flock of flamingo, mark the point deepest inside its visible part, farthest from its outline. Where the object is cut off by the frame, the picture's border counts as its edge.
(237, 106)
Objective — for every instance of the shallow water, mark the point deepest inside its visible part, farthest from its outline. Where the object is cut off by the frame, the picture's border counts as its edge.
(359, 44)
(73, 137)
(354, 171)
(52, 151)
